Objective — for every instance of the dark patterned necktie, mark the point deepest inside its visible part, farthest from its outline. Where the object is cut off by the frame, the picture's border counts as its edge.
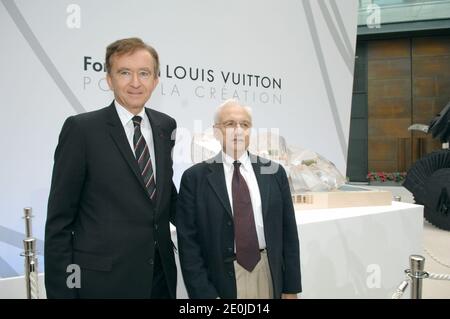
(247, 247)
(142, 154)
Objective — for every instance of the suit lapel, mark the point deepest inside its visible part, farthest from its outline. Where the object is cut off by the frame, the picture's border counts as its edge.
(117, 133)
(263, 183)
(216, 179)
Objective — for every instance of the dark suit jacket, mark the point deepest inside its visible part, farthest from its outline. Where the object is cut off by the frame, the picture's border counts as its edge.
(206, 231)
(100, 216)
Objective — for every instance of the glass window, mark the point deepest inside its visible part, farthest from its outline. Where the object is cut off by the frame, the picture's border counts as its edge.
(375, 12)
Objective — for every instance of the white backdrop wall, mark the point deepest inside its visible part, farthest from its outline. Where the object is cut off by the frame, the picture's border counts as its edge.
(52, 57)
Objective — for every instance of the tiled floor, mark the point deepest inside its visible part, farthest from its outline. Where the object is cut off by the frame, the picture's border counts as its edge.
(436, 250)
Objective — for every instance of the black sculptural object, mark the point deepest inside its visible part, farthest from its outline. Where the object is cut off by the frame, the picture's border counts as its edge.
(429, 178)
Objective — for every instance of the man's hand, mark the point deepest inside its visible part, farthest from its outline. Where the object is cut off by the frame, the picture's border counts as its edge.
(288, 296)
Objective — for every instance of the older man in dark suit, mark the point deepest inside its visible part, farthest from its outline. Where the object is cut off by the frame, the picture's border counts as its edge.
(236, 226)
(112, 194)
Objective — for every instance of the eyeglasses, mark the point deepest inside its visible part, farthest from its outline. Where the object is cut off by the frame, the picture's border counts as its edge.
(245, 125)
(127, 75)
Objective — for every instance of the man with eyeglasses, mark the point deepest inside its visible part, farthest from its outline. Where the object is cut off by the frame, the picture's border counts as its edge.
(236, 228)
(112, 194)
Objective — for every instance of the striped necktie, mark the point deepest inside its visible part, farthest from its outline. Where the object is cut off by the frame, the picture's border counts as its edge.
(142, 154)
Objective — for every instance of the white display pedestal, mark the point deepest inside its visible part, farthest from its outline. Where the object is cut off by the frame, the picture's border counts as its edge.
(358, 252)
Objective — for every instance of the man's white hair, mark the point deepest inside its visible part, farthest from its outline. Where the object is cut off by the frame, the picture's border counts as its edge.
(228, 103)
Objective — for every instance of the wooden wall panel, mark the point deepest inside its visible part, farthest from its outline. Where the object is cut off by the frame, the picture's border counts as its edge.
(393, 107)
(431, 46)
(392, 128)
(430, 87)
(389, 103)
(389, 49)
(408, 82)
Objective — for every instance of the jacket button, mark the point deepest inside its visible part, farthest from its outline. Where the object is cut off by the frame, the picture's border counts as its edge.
(150, 261)
(229, 223)
(230, 249)
(230, 273)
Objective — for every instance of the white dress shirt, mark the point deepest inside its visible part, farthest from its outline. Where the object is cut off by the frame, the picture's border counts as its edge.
(126, 117)
(246, 170)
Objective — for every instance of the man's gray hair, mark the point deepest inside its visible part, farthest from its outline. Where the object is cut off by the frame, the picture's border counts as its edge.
(228, 103)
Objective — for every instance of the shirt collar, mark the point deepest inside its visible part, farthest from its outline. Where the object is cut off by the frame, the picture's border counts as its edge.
(227, 160)
(125, 116)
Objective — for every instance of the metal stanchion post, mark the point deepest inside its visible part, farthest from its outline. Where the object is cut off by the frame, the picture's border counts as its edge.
(31, 268)
(31, 261)
(417, 264)
(28, 214)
